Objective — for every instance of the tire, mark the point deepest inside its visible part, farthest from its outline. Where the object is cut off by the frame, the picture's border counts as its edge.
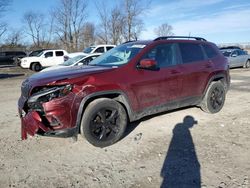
(214, 99)
(247, 64)
(36, 67)
(103, 122)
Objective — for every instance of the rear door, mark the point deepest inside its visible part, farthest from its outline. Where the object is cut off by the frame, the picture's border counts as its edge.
(196, 69)
(59, 57)
(159, 87)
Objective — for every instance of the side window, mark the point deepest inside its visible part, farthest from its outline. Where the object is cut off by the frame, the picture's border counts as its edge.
(234, 53)
(86, 60)
(211, 53)
(191, 52)
(99, 50)
(48, 54)
(241, 52)
(21, 54)
(164, 55)
(9, 54)
(109, 48)
(59, 53)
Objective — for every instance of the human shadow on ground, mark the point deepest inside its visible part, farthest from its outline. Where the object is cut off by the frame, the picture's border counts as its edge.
(181, 168)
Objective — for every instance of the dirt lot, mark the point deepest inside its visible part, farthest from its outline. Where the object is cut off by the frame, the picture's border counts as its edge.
(184, 148)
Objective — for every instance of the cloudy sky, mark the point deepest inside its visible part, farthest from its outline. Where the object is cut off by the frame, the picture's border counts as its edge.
(217, 20)
(220, 21)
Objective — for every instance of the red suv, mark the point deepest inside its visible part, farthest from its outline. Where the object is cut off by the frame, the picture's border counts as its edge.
(129, 82)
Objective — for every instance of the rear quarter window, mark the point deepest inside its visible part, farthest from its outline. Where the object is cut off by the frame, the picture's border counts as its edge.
(210, 51)
(191, 52)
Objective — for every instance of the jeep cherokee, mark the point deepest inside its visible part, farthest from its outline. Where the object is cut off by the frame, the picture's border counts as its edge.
(129, 82)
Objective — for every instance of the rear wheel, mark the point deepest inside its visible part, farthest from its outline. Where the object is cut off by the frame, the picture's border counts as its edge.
(36, 67)
(247, 64)
(104, 122)
(214, 98)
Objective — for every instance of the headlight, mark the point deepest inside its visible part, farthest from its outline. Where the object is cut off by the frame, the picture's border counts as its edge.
(48, 94)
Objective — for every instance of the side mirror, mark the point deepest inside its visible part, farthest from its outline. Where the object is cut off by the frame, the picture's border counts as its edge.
(149, 64)
(234, 55)
(79, 64)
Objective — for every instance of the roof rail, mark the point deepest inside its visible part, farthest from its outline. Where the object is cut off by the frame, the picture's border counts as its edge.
(129, 41)
(179, 37)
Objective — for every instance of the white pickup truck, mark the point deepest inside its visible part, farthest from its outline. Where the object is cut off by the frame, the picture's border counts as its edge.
(46, 58)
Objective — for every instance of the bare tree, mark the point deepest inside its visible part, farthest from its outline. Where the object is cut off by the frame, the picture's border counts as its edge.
(70, 16)
(133, 9)
(88, 33)
(36, 27)
(3, 7)
(14, 38)
(116, 26)
(164, 30)
(102, 33)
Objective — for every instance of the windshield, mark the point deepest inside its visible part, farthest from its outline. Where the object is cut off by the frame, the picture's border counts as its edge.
(89, 49)
(226, 53)
(73, 60)
(35, 53)
(119, 55)
(39, 54)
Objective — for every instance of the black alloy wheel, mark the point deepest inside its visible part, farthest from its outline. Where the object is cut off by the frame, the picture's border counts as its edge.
(104, 125)
(217, 98)
(214, 98)
(104, 122)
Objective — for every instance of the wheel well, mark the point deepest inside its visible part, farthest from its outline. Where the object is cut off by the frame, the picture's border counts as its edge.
(116, 96)
(222, 79)
(34, 63)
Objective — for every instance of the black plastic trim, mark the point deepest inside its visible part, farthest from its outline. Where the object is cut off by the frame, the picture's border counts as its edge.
(62, 133)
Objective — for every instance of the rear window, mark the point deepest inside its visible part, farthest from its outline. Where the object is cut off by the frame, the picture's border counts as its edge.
(59, 53)
(109, 48)
(211, 53)
(191, 52)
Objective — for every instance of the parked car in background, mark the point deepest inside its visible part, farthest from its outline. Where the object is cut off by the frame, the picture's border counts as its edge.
(98, 48)
(36, 52)
(131, 81)
(46, 58)
(9, 57)
(74, 61)
(236, 56)
(74, 54)
(31, 54)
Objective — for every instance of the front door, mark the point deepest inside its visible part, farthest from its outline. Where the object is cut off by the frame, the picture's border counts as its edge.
(159, 87)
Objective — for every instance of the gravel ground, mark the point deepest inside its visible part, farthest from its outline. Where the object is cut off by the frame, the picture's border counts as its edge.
(182, 148)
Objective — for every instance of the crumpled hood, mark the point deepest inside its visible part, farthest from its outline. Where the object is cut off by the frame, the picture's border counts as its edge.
(43, 78)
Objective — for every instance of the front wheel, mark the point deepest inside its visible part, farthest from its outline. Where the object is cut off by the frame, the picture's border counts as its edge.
(104, 122)
(36, 67)
(247, 64)
(214, 99)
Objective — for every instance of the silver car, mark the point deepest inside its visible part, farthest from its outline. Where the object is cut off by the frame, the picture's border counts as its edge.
(237, 57)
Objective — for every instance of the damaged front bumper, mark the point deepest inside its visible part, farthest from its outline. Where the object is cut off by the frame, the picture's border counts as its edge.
(48, 113)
